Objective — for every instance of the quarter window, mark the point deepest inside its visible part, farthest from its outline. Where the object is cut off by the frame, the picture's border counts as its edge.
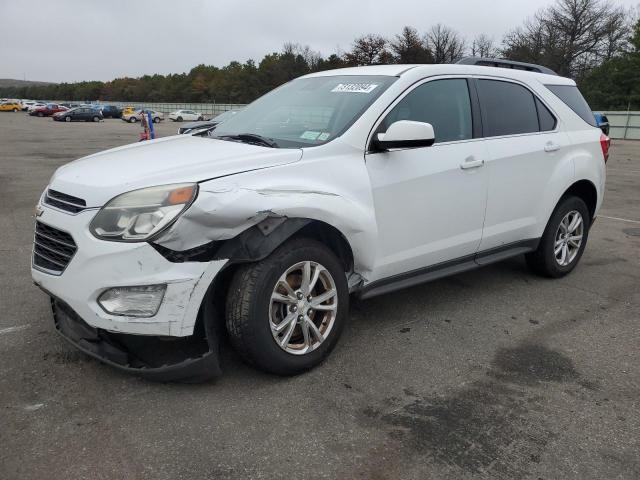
(508, 108)
(445, 104)
(546, 119)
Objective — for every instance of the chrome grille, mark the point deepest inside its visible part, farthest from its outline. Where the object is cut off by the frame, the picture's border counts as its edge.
(65, 202)
(53, 249)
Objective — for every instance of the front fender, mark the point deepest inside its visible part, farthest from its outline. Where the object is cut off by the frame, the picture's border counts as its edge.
(226, 213)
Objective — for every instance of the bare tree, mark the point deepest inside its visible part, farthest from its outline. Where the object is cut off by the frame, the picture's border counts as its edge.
(369, 49)
(311, 57)
(483, 46)
(445, 44)
(408, 47)
(571, 36)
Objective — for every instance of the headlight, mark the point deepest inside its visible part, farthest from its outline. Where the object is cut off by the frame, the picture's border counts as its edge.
(139, 215)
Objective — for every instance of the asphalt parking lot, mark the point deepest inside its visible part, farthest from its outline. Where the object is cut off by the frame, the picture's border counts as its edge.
(489, 374)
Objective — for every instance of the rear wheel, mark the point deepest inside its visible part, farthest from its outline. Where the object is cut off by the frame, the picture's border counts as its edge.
(563, 240)
(132, 119)
(179, 119)
(96, 119)
(156, 120)
(40, 114)
(286, 313)
(15, 110)
(67, 119)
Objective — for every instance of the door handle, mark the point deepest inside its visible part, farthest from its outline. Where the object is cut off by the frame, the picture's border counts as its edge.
(551, 147)
(471, 163)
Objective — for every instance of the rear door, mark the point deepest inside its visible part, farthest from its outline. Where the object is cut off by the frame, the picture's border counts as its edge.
(430, 201)
(524, 146)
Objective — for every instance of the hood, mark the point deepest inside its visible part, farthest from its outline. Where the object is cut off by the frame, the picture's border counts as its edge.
(181, 158)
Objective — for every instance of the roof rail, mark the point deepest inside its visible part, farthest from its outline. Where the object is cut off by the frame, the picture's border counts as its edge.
(502, 63)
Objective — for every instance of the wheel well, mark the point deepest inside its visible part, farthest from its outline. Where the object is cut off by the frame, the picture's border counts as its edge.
(332, 238)
(585, 190)
(317, 230)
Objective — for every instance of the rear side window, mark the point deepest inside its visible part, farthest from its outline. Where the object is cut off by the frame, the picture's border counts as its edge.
(445, 104)
(507, 108)
(572, 97)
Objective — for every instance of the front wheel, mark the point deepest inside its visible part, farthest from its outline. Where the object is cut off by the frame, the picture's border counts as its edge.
(179, 119)
(40, 114)
(286, 313)
(132, 120)
(96, 119)
(156, 120)
(563, 240)
(67, 119)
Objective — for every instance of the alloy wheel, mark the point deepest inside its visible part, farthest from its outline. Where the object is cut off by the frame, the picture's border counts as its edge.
(303, 307)
(568, 238)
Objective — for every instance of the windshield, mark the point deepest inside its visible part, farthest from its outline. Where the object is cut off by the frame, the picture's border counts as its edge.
(305, 112)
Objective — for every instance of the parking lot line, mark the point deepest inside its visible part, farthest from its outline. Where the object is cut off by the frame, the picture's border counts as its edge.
(13, 329)
(619, 219)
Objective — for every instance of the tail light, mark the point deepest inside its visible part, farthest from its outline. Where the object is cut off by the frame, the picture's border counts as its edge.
(605, 143)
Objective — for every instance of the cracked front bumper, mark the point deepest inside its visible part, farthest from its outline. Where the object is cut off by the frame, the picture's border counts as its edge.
(99, 265)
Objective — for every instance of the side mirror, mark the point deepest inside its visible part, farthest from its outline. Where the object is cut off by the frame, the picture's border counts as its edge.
(405, 134)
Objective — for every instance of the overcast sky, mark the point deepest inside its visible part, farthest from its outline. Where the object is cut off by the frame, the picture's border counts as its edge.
(72, 40)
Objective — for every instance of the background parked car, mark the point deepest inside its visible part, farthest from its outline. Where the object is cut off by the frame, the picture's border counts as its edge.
(80, 114)
(128, 110)
(137, 115)
(111, 111)
(26, 104)
(10, 106)
(603, 122)
(195, 126)
(48, 110)
(31, 108)
(180, 115)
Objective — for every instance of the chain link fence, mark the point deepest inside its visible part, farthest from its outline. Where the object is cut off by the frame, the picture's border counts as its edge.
(624, 125)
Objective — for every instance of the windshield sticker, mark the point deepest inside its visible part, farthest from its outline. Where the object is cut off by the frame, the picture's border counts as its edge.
(355, 87)
(323, 136)
(309, 135)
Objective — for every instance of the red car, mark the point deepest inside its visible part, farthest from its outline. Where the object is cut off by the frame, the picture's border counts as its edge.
(48, 110)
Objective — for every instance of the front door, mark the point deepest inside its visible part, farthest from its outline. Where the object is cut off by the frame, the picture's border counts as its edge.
(430, 201)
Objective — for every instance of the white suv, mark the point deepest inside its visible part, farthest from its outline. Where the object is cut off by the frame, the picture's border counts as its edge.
(357, 181)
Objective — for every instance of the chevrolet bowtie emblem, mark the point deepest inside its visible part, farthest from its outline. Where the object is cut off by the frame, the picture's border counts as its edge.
(38, 211)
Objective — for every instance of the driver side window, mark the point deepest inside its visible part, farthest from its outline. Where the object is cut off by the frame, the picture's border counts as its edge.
(445, 104)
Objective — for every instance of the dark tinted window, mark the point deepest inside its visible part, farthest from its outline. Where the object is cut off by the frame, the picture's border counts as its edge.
(508, 108)
(570, 95)
(545, 117)
(445, 104)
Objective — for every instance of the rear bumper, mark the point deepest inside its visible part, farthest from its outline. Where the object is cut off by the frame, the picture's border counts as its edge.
(188, 359)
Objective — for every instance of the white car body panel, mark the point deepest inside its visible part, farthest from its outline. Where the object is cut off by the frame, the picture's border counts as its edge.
(398, 211)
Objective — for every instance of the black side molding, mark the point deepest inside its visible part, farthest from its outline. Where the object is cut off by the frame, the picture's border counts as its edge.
(444, 269)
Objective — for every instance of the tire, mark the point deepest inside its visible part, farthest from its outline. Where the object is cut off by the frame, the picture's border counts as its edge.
(15, 110)
(179, 119)
(40, 114)
(545, 261)
(200, 118)
(250, 309)
(156, 120)
(96, 119)
(132, 120)
(67, 119)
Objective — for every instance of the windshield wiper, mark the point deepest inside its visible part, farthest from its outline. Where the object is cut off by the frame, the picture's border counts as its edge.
(252, 138)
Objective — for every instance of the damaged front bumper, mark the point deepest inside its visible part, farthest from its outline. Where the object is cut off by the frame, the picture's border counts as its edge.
(187, 359)
(173, 344)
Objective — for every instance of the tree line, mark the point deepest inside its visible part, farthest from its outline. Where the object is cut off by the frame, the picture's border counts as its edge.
(596, 42)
